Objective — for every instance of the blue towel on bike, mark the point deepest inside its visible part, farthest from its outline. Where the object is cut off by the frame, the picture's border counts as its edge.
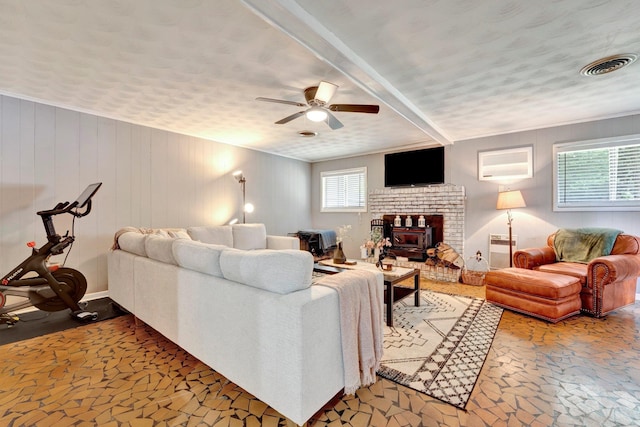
(327, 237)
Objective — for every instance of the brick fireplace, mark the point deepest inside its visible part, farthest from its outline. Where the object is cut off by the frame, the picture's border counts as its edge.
(446, 201)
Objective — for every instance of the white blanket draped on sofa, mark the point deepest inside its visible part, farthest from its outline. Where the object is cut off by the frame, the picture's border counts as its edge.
(361, 325)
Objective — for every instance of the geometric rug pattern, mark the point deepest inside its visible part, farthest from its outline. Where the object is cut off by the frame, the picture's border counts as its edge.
(439, 347)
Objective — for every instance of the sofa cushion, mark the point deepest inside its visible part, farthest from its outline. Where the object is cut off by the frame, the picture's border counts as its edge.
(249, 236)
(198, 256)
(132, 242)
(179, 234)
(279, 271)
(213, 234)
(159, 248)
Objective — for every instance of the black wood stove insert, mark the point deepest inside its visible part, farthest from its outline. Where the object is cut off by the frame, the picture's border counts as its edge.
(412, 242)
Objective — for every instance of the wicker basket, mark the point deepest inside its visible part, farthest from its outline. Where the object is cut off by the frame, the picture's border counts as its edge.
(475, 268)
(470, 277)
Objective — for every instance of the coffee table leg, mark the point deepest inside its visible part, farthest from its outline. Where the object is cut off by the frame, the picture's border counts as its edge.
(416, 279)
(389, 301)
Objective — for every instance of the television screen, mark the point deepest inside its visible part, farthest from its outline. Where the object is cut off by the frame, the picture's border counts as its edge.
(410, 168)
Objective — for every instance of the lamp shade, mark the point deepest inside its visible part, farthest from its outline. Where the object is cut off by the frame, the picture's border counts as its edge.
(510, 200)
(238, 176)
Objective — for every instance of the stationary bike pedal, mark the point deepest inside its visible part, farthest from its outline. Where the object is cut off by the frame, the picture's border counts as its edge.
(85, 316)
(9, 319)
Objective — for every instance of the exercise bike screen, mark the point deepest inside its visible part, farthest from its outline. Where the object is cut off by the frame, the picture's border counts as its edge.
(87, 194)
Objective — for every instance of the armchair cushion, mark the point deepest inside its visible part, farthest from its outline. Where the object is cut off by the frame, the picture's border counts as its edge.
(573, 269)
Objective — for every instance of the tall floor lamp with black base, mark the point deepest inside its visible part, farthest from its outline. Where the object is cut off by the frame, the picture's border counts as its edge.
(508, 200)
(246, 207)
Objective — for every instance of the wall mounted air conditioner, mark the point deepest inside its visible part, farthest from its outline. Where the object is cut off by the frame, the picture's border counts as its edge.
(499, 250)
(509, 164)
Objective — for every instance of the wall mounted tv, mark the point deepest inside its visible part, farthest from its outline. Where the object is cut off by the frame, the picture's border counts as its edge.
(414, 168)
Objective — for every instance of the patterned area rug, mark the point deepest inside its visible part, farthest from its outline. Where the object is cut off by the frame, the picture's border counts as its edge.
(439, 348)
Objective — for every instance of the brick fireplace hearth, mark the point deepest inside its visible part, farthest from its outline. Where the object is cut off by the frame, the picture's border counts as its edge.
(446, 200)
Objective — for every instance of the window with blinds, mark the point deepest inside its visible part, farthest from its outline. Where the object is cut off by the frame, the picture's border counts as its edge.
(344, 190)
(601, 174)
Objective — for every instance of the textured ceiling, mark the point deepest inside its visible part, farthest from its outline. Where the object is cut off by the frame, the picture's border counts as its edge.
(442, 71)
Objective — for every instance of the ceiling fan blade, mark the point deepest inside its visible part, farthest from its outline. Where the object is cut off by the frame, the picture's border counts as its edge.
(355, 108)
(333, 122)
(289, 118)
(325, 91)
(281, 101)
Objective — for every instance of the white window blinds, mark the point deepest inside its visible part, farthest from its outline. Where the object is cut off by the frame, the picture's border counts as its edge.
(601, 174)
(344, 190)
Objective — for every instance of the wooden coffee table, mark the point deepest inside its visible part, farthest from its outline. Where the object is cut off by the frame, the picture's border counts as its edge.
(392, 293)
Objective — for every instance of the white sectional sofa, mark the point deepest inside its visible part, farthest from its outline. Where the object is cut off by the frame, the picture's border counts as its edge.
(241, 302)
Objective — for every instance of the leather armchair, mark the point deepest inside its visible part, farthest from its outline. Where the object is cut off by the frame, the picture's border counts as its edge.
(608, 282)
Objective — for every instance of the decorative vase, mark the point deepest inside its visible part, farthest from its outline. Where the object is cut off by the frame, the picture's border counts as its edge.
(421, 221)
(397, 222)
(364, 252)
(338, 255)
(376, 254)
(408, 222)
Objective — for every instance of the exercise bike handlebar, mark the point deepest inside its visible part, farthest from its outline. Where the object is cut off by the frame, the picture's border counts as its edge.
(60, 208)
(84, 200)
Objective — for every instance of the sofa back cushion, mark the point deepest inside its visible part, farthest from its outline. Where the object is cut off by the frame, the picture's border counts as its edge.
(279, 271)
(212, 234)
(249, 236)
(178, 233)
(133, 242)
(198, 256)
(160, 248)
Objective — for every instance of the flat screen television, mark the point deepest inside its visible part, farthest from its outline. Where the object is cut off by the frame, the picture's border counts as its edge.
(414, 168)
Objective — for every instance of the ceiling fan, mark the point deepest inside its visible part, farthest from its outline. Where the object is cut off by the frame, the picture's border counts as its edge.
(319, 110)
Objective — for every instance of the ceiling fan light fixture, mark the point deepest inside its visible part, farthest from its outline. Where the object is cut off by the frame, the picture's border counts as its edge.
(325, 92)
(316, 114)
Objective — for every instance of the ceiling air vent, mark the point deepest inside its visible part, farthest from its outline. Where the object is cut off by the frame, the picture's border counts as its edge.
(608, 64)
(307, 133)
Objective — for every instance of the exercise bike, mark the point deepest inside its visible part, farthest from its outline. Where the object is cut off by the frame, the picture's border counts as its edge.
(49, 287)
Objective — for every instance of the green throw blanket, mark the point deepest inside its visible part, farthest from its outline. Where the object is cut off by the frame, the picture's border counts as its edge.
(583, 244)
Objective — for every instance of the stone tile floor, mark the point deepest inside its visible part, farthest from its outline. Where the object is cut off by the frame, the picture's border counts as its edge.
(579, 372)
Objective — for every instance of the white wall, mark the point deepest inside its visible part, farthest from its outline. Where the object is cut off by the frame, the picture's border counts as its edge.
(151, 178)
(360, 223)
(531, 224)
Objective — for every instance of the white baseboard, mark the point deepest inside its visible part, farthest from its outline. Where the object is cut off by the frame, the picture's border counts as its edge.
(87, 297)
(95, 295)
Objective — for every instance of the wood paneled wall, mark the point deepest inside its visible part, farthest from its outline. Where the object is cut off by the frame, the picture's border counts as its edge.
(151, 178)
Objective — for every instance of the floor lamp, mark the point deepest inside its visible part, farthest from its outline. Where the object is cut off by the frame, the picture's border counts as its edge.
(510, 200)
(243, 181)
(246, 207)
